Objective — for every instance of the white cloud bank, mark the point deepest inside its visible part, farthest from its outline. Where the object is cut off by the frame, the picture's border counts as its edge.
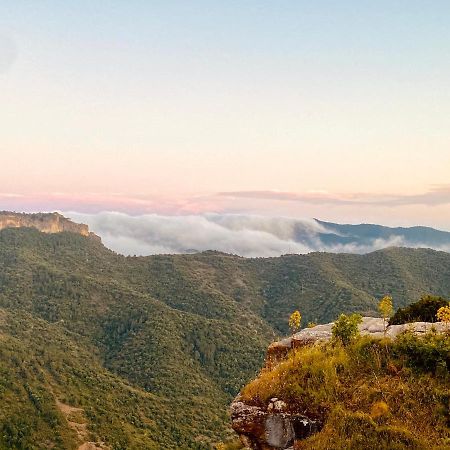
(245, 235)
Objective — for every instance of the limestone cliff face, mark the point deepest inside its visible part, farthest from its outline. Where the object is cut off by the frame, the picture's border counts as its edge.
(44, 222)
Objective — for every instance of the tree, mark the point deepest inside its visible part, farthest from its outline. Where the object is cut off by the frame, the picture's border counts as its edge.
(345, 329)
(294, 321)
(443, 315)
(386, 309)
(423, 310)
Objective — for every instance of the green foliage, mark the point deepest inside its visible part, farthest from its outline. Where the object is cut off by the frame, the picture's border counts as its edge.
(149, 324)
(430, 353)
(345, 328)
(423, 310)
(162, 344)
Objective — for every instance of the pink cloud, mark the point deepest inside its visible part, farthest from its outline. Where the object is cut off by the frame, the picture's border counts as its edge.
(96, 202)
(430, 207)
(437, 195)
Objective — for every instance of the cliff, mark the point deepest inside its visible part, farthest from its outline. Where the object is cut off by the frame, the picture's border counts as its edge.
(385, 390)
(44, 222)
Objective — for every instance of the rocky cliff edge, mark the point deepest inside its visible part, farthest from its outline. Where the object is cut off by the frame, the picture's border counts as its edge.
(274, 426)
(44, 222)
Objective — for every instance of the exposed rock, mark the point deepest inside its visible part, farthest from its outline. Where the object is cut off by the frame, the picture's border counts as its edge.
(279, 432)
(270, 428)
(44, 222)
(276, 405)
(372, 326)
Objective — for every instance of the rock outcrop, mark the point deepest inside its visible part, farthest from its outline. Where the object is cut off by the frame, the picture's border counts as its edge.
(270, 428)
(275, 427)
(44, 222)
(372, 326)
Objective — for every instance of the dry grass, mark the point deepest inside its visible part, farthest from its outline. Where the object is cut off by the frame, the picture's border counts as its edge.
(369, 395)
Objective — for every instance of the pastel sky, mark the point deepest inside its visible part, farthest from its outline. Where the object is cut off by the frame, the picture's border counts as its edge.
(336, 110)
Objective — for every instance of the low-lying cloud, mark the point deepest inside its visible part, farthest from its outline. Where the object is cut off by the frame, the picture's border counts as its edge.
(245, 235)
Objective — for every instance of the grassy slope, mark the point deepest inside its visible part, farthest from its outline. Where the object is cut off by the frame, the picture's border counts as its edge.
(372, 394)
(191, 329)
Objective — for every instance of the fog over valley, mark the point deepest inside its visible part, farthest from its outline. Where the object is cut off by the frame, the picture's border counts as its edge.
(248, 235)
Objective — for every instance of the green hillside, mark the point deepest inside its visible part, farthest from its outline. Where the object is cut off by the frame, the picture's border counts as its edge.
(150, 350)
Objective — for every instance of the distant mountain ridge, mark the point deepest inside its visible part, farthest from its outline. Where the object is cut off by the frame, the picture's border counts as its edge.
(367, 234)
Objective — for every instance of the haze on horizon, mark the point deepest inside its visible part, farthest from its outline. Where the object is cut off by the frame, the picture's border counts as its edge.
(299, 109)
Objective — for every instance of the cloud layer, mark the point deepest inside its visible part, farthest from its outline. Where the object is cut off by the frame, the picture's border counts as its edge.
(245, 235)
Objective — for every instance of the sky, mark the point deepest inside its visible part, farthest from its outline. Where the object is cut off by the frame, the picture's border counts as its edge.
(335, 110)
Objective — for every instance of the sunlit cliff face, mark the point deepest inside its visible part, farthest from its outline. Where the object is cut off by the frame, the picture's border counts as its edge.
(46, 223)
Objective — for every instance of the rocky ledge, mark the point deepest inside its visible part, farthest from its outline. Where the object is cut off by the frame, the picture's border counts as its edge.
(274, 427)
(372, 326)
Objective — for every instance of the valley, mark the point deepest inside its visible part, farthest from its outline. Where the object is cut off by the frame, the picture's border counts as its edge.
(153, 349)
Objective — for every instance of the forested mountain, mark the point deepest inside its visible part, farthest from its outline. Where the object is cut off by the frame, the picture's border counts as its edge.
(368, 234)
(147, 352)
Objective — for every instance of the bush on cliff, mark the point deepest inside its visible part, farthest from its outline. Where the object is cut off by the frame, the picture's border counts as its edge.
(423, 310)
(345, 329)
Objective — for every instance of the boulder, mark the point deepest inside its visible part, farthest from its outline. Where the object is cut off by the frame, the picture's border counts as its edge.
(270, 428)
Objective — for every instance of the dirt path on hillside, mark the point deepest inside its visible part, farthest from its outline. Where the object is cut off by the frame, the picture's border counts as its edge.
(77, 421)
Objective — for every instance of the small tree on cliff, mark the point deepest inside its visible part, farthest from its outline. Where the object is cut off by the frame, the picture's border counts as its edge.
(386, 309)
(294, 321)
(345, 329)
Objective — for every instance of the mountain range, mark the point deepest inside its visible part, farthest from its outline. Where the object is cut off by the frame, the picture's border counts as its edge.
(147, 352)
(368, 234)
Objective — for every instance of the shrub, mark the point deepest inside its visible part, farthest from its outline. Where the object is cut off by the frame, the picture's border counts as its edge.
(422, 311)
(427, 353)
(345, 329)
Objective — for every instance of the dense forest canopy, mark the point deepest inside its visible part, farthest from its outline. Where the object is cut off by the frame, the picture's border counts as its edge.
(163, 343)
